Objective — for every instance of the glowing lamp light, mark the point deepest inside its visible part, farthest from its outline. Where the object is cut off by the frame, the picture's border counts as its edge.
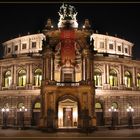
(7, 109)
(75, 114)
(23, 107)
(112, 107)
(60, 114)
(127, 110)
(2, 109)
(130, 109)
(83, 26)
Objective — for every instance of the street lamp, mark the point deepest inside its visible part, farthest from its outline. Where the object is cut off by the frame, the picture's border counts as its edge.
(22, 110)
(130, 110)
(5, 116)
(112, 110)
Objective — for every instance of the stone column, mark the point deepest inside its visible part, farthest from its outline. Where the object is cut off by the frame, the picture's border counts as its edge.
(115, 45)
(121, 69)
(31, 74)
(1, 82)
(88, 65)
(44, 69)
(12, 75)
(106, 41)
(49, 68)
(123, 48)
(84, 77)
(52, 67)
(85, 68)
(107, 70)
(121, 75)
(27, 76)
(105, 74)
(134, 77)
(15, 75)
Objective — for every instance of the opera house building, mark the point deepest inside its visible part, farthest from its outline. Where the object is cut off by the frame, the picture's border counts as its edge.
(69, 77)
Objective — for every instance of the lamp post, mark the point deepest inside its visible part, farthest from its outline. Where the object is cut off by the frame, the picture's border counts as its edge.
(5, 116)
(22, 110)
(130, 110)
(112, 110)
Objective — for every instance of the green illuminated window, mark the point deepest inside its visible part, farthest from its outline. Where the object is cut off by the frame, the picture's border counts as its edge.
(115, 105)
(20, 105)
(98, 106)
(138, 80)
(37, 105)
(37, 77)
(22, 77)
(7, 79)
(98, 77)
(113, 80)
(127, 79)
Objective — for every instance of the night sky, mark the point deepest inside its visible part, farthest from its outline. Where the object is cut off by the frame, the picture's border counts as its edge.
(122, 19)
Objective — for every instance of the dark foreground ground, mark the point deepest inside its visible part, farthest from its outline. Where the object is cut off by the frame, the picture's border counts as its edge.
(105, 134)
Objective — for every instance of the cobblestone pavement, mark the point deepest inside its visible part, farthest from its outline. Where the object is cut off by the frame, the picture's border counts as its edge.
(122, 134)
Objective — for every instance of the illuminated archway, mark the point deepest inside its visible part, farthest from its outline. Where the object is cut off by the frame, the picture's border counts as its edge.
(67, 113)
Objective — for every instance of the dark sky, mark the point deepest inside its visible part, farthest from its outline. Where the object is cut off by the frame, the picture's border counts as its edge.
(122, 19)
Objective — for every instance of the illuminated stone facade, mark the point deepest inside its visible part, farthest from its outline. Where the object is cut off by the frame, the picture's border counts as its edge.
(64, 75)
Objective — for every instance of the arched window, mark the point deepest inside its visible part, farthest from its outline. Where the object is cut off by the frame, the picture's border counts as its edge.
(127, 79)
(115, 105)
(7, 79)
(37, 105)
(113, 81)
(37, 77)
(97, 77)
(6, 105)
(98, 106)
(22, 78)
(138, 80)
(20, 105)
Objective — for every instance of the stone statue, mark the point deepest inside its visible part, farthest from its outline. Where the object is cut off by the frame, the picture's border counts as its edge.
(67, 12)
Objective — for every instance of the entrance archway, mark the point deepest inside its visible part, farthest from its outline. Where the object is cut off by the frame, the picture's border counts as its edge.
(99, 114)
(36, 113)
(67, 113)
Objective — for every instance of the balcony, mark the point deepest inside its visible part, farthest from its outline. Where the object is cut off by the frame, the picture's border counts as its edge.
(73, 84)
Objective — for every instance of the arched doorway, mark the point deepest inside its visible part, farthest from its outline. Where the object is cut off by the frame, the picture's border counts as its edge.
(99, 114)
(36, 113)
(67, 113)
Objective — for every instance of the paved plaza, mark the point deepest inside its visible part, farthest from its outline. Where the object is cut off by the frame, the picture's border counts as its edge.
(122, 134)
